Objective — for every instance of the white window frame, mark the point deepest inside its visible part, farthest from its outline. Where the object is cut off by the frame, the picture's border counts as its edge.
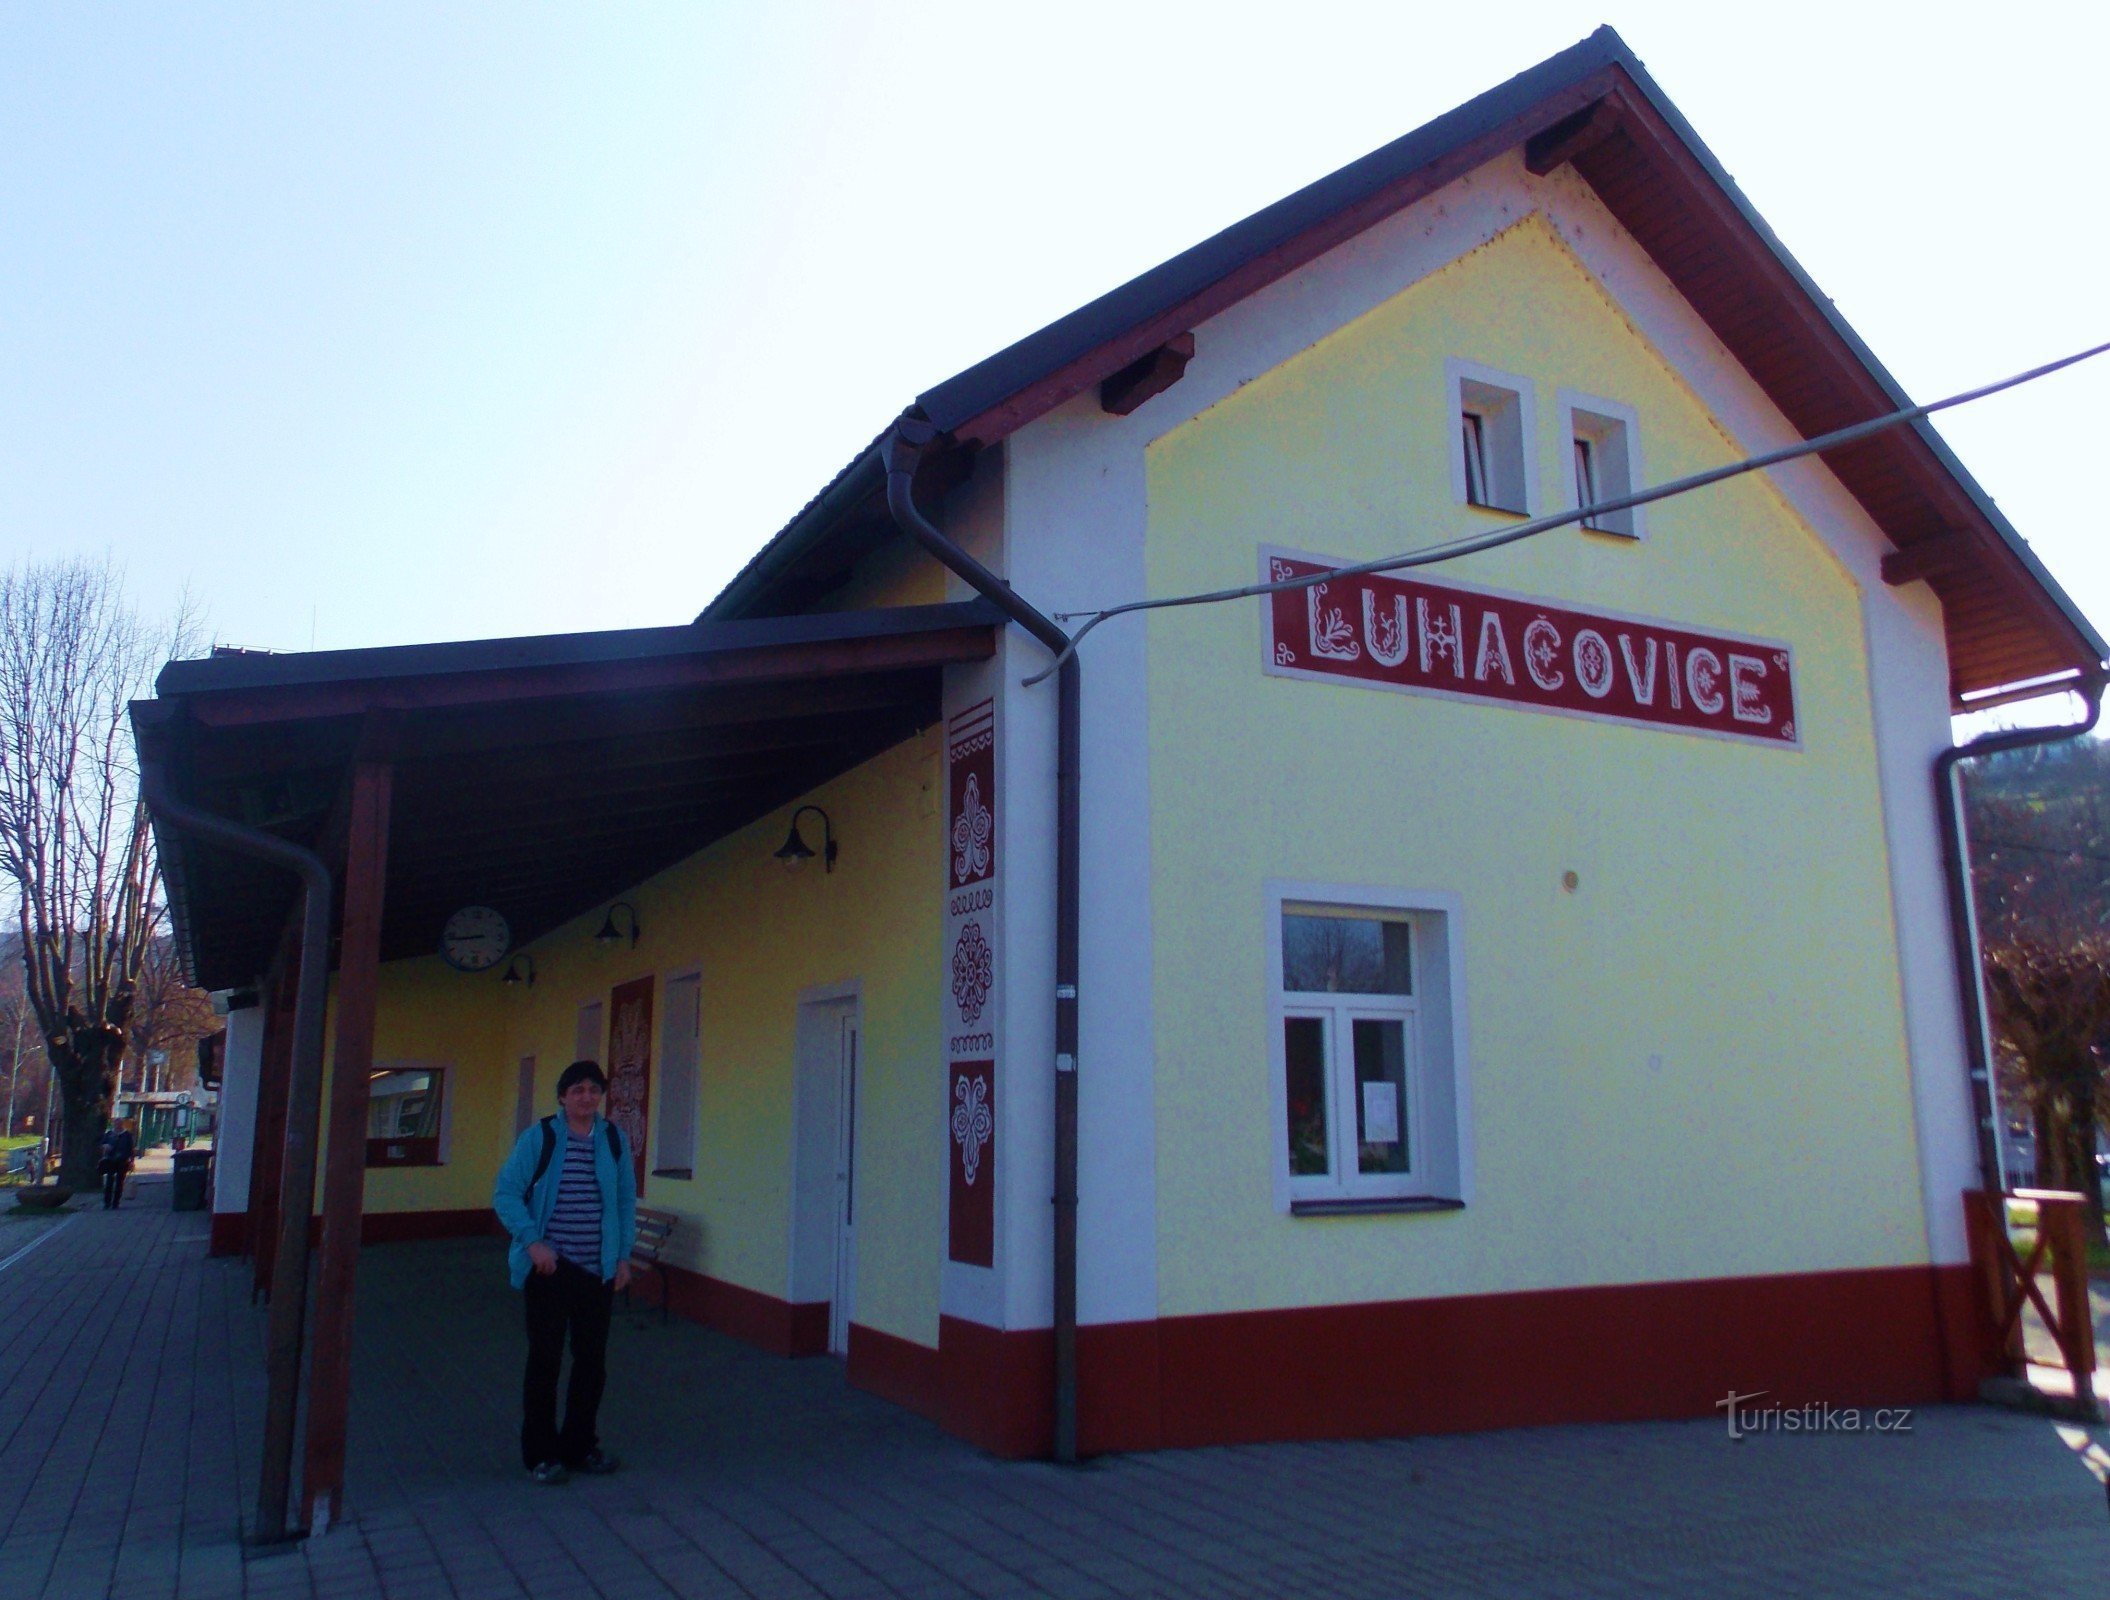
(443, 1075)
(1439, 1175)
(599, 1008)
(1613, 429)
(1508, 405)
(663, 1163)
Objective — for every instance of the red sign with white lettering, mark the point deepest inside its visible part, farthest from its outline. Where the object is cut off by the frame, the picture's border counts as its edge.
(1444, 639)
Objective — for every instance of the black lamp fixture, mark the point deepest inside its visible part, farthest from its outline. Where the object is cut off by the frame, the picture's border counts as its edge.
(513, 972)
(610, 933)
(796, 849)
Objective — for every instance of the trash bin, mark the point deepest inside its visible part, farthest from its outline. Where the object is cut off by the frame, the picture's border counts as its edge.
(193, 1170)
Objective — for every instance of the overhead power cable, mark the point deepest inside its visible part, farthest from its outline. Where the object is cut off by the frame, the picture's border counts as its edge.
(1495, 538)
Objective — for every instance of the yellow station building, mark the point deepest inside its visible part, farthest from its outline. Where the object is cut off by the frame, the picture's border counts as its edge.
(1519, 989)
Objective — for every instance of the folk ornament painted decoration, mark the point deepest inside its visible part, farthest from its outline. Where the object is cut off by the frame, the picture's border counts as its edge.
(973, 971)
(630, 1066)
(971, 831)
(973, 915)
(972, 1124)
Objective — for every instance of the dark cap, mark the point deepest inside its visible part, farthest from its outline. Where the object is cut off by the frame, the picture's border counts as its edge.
(579, 1072)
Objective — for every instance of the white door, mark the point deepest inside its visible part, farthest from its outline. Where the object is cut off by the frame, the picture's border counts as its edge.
(841, 1301)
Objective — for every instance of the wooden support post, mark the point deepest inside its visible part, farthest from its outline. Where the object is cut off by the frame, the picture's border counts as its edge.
(344, 1171)
(1985, 1218)
(2059, 1220)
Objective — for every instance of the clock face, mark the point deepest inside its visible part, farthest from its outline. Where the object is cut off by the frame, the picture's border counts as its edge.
(475, 939)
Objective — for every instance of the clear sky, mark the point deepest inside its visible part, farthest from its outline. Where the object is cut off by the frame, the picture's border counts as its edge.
(388, 322)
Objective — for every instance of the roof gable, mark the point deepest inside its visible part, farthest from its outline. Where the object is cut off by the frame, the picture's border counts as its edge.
(1595, 107)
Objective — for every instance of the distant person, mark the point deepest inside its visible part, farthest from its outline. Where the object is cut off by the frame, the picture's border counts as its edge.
(118, 1151)
(568, 1198)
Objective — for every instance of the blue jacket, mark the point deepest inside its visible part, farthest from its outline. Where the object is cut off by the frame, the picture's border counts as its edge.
(526, 1211)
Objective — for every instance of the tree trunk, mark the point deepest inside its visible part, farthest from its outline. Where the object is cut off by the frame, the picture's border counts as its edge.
(87, 1079)
(2086, 1176)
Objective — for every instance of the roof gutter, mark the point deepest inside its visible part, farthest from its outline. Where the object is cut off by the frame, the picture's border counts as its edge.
(1963, 910)
(296, 1190)
(901, 450)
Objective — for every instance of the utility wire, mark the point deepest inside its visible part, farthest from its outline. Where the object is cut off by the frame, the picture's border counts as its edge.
(1472, 544)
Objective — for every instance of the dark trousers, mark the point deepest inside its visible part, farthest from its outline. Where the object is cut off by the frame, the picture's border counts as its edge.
(569, 1300)
(113, 1183)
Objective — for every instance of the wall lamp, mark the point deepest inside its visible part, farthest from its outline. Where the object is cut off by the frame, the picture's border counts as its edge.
(610, 933)
(515, 975)
(795, 848)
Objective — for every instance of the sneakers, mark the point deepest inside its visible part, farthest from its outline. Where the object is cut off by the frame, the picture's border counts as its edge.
(597, 1464)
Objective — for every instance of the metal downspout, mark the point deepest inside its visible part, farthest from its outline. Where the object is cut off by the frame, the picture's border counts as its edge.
(901, 451)
(1963, 912)
(296, 1192)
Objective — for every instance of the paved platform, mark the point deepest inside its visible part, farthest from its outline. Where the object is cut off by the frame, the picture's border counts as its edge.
(131, 1394)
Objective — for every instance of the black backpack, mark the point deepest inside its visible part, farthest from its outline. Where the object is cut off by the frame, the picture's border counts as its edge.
(549, 1148)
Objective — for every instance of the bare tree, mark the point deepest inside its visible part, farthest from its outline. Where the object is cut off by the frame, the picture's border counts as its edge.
(169, 1017)
(74, 843)
(2052, 1004)
(23, 1043)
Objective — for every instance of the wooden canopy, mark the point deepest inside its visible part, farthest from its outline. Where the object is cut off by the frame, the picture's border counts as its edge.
(537, 776)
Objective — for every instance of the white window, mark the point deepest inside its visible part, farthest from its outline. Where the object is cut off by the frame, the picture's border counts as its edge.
(1366, 1018)
(1604, 444)
(407, 1114)
(680, 1068)
(586, 1036)
(1492, 461)
(524, 1108)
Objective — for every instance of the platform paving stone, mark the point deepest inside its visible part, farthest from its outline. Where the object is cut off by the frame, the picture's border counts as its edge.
(131, 1399)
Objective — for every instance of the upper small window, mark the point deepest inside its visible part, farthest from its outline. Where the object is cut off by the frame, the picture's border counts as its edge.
(1491, 432)
(1604, 446)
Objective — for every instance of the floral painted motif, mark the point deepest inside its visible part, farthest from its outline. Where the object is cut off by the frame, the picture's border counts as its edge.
(972, 1126)
(1331, 635)
(971, 830)
(973, 971)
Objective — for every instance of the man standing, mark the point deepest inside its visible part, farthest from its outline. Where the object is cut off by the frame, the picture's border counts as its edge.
(568, 1198)
(118, 1151)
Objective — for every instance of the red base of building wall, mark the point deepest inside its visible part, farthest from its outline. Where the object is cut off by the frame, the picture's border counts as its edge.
(1626, 1353)
(779, 1326)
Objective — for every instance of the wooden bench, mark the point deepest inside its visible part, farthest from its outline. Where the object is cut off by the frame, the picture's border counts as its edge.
(654, 1229)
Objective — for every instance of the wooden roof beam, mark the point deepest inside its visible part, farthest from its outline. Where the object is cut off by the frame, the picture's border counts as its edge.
(1147, 378)
(1570, 137)
(1942, 553)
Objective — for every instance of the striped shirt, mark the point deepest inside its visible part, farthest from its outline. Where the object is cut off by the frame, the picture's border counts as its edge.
(575, 1226)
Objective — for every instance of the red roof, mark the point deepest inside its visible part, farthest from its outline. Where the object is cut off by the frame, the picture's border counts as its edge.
(1593, 107)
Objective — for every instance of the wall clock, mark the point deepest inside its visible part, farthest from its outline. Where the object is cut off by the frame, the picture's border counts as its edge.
(475, 939)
